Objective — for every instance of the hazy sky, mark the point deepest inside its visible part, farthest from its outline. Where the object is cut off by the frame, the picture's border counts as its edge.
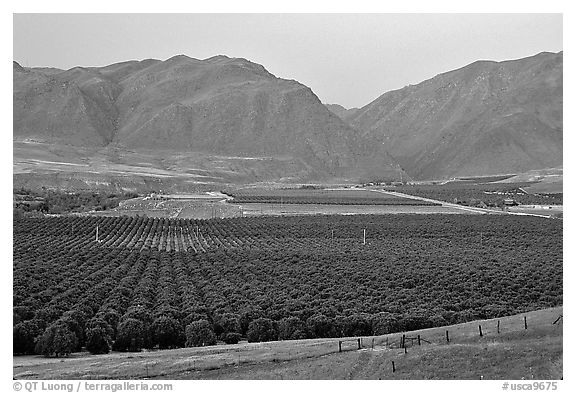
(348, 59)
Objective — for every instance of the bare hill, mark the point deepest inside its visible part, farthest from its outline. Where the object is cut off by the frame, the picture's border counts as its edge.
(486, 118)
(219, 106)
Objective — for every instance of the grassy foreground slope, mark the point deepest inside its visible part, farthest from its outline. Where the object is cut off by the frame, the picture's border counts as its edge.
(514, 353)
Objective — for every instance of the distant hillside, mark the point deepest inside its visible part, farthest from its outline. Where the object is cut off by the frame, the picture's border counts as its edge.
(219, 106)
(486, 118)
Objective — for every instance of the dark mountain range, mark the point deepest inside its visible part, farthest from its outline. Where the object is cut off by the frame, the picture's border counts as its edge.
(486, 118)
(219, 106)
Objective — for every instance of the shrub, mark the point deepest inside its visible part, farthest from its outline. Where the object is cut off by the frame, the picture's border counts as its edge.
(231, 338)
(57, 340)
(199, 334)
(261, 329)
(130, 336)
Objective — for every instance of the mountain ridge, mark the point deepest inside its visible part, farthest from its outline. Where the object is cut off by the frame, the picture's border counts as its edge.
(220, 106)
(484, 118)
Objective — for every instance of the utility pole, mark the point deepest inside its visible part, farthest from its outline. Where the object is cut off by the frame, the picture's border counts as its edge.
(364, 239)
(97, 241)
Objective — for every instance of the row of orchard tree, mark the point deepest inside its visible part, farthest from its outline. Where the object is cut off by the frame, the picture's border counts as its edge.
(284, 278)
(137, 330)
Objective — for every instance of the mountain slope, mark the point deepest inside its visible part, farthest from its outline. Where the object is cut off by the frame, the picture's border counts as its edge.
(224, 106)
(485, 118)
(340, 111)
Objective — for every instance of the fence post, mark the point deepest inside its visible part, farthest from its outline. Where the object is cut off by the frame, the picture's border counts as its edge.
(498, 327)
(525, 323)
(403, 341)
(418, 339)
(480, 329)
(372, 342)
(393, 367)
(359, 343)
(557, 319)
(339, 346)
(447, 338)
(405, 350)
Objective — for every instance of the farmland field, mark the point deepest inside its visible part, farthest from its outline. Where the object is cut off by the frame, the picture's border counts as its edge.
(309, 276)
(277, 209)
(321, 197)
(470, 193)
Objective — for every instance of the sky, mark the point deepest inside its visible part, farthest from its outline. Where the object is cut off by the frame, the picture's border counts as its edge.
(348, 59)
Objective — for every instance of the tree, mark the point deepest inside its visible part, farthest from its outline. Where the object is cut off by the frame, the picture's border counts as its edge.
(57, 340)
(231, 338)
(143, 315)
(97, 340)
(112, 317)
(167, 332)
(199, 334)
(320, 326)
(291, 328)
(384, 323)
(130, 336)
(98, 336)
(418, 319)
(76, 320)
(24, 336)
(248, 316)
(357, 325)
(21, 313)
(226, 323)
(193, 317)
(46, 316)
(261, 329)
